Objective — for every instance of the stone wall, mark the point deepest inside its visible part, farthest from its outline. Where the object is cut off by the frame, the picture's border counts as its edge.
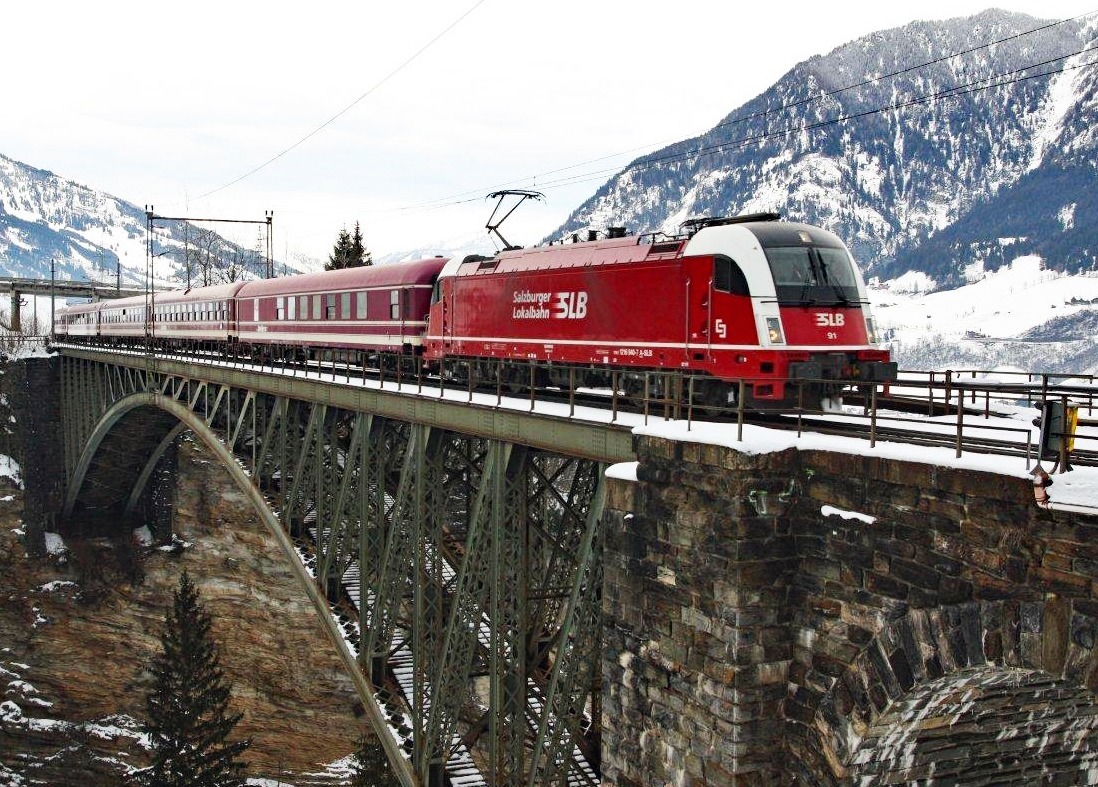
(821, 618)
(33, 390)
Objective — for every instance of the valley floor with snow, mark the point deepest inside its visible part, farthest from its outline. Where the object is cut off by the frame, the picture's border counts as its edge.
(1020, 317)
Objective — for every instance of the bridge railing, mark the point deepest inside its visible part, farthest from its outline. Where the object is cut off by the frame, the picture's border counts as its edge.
(969, 411)
(19, 344)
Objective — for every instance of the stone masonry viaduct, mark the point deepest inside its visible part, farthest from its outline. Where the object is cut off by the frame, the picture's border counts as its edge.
(753, 634)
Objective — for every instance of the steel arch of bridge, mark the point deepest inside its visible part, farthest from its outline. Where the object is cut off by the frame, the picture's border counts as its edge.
(470, 564)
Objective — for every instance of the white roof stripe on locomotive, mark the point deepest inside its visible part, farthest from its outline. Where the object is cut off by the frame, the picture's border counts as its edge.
(739, 243)
(659, 345)
(370, 339)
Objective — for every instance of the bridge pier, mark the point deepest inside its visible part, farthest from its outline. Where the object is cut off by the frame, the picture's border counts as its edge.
(16, 320)
(34, 386)
(834, 619)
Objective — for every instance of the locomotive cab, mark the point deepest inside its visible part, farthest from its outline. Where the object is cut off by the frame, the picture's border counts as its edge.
(789, 312)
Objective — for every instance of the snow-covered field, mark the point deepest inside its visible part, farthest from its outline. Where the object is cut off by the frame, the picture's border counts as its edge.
(983, 324)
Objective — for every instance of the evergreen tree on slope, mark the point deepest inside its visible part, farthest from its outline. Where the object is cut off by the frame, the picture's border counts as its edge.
(188, 722)
(370, 766)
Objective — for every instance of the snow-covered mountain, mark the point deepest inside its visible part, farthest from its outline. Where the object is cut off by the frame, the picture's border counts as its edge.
(95, 236)
(937, 159)
(981, 156)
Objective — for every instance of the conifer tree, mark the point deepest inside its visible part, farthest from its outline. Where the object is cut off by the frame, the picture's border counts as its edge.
(341, 252)
(359, 255)
(348, 251)
(188, 720)
(370, 767)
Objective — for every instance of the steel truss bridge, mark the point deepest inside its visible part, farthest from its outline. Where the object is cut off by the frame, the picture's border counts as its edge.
(452, 550)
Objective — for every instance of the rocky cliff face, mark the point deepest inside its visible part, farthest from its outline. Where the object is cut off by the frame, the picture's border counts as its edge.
(76, 630)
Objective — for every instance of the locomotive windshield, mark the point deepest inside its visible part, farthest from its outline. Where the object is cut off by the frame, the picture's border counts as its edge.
(812, 275)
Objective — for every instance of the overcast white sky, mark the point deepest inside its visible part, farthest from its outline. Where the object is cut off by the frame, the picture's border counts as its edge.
(164, 103)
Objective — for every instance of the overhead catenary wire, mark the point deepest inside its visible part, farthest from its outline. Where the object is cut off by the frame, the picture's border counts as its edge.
(350, 106)
(466, 197)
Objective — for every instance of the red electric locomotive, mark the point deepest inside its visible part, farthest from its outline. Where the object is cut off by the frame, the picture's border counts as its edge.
(750, 298)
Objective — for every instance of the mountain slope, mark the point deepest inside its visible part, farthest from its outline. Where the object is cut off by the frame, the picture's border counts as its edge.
(91, 235)
(44, 217)
(920, 153)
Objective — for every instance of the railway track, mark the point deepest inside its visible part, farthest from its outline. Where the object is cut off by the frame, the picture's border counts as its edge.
(983, 413)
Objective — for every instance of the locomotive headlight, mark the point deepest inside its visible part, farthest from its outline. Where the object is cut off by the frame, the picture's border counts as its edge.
(774, 329)
(870, 330)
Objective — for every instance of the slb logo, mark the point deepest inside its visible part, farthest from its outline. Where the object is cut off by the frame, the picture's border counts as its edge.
(829, 320)
(570, 305)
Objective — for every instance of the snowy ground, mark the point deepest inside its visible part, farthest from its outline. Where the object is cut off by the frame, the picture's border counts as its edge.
(984, 320)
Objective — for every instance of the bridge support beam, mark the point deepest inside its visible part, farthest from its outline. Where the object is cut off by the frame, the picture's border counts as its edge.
(16, 304)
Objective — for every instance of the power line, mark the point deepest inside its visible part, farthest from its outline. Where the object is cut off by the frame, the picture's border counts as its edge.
(462, 198)
(944, 94)
(347, 108)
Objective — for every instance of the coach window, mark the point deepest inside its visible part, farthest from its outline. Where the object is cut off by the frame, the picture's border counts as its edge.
(292, 304)
(360, 305)
(303, 307)
(316, 307)
(330, 306)
(727, 277)
(345, 306)
(394, 305)
(280, 308)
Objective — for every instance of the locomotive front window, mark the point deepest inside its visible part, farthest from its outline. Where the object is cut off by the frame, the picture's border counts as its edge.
(812, 275)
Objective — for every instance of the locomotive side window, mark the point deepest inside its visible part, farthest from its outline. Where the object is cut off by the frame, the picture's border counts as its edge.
(394, 305)
(727, 277)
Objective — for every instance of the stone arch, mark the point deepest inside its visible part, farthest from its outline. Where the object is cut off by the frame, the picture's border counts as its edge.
(1011, 682)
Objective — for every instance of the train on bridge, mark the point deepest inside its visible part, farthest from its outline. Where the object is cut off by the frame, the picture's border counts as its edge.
(777, 306)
